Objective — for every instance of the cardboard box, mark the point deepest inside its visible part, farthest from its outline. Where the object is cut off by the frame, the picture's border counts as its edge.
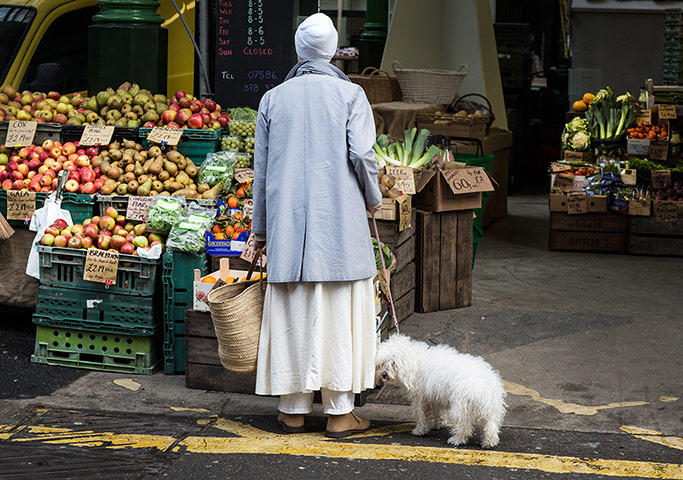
(201, 289)
(226, 247)
(640, 208)
(557, 202)
(457, 187)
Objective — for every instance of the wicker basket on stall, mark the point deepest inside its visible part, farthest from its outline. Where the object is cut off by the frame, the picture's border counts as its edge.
(429, 85)
(379, 86)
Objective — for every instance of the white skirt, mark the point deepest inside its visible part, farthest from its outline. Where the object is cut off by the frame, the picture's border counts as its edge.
(317, 335)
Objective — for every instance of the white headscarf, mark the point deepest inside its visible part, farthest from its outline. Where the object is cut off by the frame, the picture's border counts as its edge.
(316, 38)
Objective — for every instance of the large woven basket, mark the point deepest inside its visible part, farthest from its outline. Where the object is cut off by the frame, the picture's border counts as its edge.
(236, 311)
(429, 85)
(379, 86)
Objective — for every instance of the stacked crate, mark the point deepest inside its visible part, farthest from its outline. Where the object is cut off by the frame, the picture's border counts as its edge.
(672, 73)
(90, 325)
(178, 292)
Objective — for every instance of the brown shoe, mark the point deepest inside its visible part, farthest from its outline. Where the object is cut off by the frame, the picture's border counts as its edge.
(346, 425)
(291, 423)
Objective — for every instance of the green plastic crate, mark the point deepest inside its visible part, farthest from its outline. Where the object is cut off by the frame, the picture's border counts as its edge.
(178, 291)
(95, 350)
(63, 267)
(194, 144)
(98, 312)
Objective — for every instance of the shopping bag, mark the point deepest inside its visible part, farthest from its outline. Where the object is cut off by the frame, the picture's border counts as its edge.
(41, 219)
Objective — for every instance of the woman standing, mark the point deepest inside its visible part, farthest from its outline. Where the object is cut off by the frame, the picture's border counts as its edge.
(314, 177)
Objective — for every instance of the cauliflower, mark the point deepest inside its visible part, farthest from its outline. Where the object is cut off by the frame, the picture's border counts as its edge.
(579, 142)
(576, 136)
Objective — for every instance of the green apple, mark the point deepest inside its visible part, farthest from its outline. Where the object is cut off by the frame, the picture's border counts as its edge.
(4, 159)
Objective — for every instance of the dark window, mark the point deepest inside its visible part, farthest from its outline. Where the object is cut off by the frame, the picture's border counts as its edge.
(65, 43)
(14, 23)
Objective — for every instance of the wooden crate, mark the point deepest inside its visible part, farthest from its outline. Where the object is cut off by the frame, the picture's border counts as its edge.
(203, 369)
(591, 232)
(647, 237)
(443, 258)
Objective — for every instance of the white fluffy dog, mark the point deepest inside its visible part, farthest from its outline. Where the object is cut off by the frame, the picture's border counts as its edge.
(445, 387)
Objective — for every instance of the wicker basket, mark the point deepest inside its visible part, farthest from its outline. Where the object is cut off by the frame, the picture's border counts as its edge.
(236, 311)
(429, 85)
(379, 86)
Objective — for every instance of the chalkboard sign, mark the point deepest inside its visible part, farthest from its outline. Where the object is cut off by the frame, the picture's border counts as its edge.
(253, 52)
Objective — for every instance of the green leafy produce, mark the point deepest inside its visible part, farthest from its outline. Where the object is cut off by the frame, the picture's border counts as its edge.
(610, 116)
(188, 234)
(164, 212)
(242, 113)
(576, 136)
(386, 251)
(643, 164)
(410, 153)
(218, 167)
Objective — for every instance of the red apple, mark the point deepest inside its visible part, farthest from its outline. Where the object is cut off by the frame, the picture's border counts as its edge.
(140, 229)
(74, 175)
(88, 188)
(180, 94)
(87, 174)
(224, 121)
(74, 242)
(121, 220)
(117, 241)
(34, 164)
(68, 148)
(98, 183)
(107, 223)
(18, 185)
(82, 161)
(210, 105)
(168, 116)
(47, 239)
(196, 121)
(103, 241)
(91, 151)
(23, 169)
(127, 248)
(183, 115)
(112, 212)
(46, 181)
(60, 241)
(77, 228)
(54, 231)
(60, 223)
(173, 125)
(95, 220)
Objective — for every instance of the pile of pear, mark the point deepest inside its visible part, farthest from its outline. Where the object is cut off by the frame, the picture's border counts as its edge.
(131, 170)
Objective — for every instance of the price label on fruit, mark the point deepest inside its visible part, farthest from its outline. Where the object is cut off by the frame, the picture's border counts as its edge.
(20, 133)
(666, 211)
(405, 178)
(660, 177)
(667, 112)
(557, 167)
(20, 204)
(242, 175)
(137, 208)
(577, 203)
(165, 135)
(101, 266)
(659, 149)
(563, 183)
(97, 135)
(467, 180)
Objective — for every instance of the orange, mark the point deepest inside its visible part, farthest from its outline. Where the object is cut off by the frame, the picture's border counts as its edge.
(240, 192)
(579, 106)
(588, 98)
(232, 202)
(209, 280)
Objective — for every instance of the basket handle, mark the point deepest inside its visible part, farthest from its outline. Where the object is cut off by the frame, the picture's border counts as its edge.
(488, 102)
(257, 257)
(393, 65)
(463, 68)
(373, 71)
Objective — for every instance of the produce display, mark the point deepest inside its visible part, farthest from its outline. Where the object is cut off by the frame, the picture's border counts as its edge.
(36, 168)
(188, 232)
(109, 232)
(242, 128)
(409, 153)
(163, 213)
(609, 116)
(576, 136)
(648, 132)
(583, 104)
(231, 227)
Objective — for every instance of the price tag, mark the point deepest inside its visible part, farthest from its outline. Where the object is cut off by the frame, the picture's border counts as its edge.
(639, 206)
(137, 208)
(165, 135)
(20, 133)
(666, 211)
(660, 177)
(249, 252)
(577, 203)
(667, 112)
(20, 204)
(659, 149)
(563, 183)
(101, 266)
(242, 175)
(556, 167)
(644, 117)
(572, 156)
(467, 180)
(405, 178)
(97, 135)
(405, 210)
(248, 209)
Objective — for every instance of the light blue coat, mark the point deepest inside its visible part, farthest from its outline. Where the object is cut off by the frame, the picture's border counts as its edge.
(314, 174)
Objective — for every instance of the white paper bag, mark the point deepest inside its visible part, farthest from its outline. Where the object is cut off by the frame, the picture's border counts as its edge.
(41, 219)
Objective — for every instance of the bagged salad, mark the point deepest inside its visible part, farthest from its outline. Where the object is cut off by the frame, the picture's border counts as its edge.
(164, 212)
(188, 232)
(218, 167)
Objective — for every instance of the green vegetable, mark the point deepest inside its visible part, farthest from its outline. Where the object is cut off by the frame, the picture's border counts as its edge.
(643, 164)
(218, 167)
(610, 116)
(242, 113)
(410, 153)
(188, 234)
(164, 212)
(386, 250)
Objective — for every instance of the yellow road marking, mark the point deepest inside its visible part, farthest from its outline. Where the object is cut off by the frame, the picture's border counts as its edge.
(253, 440)
(667, 399)
(128, 383)
(187, 409)
(654, 436)
(565, 407)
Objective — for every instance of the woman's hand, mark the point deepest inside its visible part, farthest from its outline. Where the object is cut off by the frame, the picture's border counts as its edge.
(258, 244)
(375, 209)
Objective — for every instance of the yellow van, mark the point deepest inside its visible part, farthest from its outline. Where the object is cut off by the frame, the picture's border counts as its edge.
(35, 32)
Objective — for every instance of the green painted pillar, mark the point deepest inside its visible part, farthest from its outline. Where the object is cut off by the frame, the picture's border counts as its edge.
(371, 45)
(127, 43)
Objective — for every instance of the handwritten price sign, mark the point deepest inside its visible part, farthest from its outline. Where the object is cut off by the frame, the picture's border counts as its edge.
(243, 175)
(20, 133)
(405, 178)
(137, 208)
(165, 135)
(248, 208)
(101, 266)
(667, 112)
(97, 135)
(20, 204)
(467, 180)
(577, 203)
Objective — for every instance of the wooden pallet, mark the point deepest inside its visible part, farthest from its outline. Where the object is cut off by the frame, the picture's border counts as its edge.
(591, 232)
(647, 237)
(203, 369)
(443, 260)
